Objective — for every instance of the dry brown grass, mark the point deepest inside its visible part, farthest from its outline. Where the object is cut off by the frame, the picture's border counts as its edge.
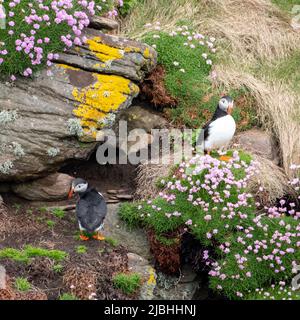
(164, 12)
(147, 176)
(254, 30)
(275, 185)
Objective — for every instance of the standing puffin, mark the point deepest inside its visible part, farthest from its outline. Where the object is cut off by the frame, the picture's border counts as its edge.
(219, 131)
(91, 209)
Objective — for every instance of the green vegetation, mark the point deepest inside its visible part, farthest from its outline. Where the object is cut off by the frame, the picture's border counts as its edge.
(50, 224)
(43, 210)
(81, 249)
(128, 283)
(128, 5)
(59, 213)
(51, 33)
(279, 292)
(113, 242)
(210, 199)
(286, 5)
(17, 207)
(68, 296)
(187, 79)
(22, 284)
(58, 268)
(30, 252)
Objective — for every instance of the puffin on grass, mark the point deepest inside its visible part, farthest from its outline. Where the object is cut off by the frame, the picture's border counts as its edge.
(91, 209)
(219, 131)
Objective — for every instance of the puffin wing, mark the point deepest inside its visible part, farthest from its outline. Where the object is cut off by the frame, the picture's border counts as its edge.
(204, 133)
(91, 211)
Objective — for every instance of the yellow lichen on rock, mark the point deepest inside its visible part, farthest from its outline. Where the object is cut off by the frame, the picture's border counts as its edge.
(100, 96)
(102, 51)
(147, 53)
(107, 94)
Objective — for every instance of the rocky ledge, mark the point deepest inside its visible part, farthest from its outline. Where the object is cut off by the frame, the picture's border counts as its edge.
(55, 117)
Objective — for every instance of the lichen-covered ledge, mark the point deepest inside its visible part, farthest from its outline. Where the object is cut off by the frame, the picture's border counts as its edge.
(43, 120)
(111, 54)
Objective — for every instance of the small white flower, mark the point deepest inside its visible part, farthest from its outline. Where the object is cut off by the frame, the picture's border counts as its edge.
(156, 36)
(192, 46)
(154, 46)
(201, 43)
(212, 39)
(182, 70)
(204, 55)
(185, 44)
(176, 63)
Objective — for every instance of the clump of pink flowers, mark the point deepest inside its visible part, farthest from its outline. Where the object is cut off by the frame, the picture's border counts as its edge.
(36, 31)
(253, 252)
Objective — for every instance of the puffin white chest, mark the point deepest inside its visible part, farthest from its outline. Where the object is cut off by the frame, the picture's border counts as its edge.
(220, 133)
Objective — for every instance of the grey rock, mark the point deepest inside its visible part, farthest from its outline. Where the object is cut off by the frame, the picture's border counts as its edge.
(187, 274)
(53, 187)
(140, 265)
(258, 142)
(42, 107)
(134, 240)
(99, 23)
(120, 56)
(171, 288)
(138, 117)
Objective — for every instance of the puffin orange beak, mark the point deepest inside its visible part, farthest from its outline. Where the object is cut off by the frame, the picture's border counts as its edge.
(230, 109)
(71, 193)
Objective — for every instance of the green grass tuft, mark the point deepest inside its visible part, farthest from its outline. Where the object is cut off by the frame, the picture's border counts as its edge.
(128, 283)
(58, 268)
(113, 242)
(68, 296)
(50, 224)
(22, 284)
(59, 213)
(81, 249)
(30, 252)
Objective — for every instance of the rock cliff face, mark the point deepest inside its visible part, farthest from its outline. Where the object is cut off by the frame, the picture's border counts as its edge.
(55, 117)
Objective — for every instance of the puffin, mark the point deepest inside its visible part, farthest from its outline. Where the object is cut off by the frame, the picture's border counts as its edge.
(91, 209)
(219, 131)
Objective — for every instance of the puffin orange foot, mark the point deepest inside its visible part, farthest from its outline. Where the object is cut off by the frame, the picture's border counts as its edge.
(83, 237)
(225, 158)
(98, 236)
